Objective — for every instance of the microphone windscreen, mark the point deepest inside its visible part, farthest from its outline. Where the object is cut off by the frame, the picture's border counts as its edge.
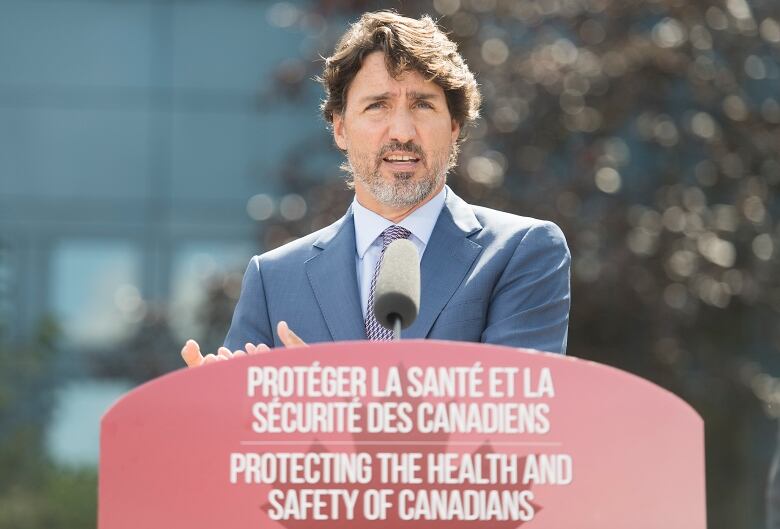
(398, 284)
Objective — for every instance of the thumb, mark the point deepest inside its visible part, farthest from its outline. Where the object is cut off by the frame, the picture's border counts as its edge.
(288, 338)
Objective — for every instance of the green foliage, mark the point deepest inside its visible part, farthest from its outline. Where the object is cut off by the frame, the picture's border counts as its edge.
(62, 498)
(35, 493)
(648, 130)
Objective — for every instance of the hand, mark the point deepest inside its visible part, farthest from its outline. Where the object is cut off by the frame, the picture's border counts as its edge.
(193, 357)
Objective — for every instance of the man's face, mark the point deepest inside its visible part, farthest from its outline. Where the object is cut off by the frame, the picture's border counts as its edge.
(398, 134)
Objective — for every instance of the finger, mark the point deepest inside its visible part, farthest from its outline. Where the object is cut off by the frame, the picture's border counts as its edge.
(255, 349)
(191, 354)
(225, 353)
(210, 358)
(295, 340)
(288, 338)
(238, 353)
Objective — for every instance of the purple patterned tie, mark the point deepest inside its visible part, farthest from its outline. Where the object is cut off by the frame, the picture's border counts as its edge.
(374, 329)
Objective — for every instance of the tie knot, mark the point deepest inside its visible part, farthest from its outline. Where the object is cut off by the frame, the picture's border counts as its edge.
(394, 233)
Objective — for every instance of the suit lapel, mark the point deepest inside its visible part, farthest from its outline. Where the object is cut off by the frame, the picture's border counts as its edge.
(333, 279)
(448, 256)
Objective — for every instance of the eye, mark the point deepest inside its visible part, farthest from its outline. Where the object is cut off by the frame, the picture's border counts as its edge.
(375, 105)
(423, 104)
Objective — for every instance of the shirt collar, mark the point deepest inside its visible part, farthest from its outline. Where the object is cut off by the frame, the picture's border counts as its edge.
(369, 225)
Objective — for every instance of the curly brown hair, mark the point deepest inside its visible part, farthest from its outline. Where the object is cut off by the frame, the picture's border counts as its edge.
(408, 44)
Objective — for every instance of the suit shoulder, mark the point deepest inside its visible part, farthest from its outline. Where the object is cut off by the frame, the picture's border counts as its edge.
(506, 224)
(296, 251)
(301, 249)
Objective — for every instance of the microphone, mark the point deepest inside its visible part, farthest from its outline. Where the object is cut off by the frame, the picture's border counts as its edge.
(397, 294)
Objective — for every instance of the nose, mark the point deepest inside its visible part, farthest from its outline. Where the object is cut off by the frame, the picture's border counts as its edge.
(402, 127)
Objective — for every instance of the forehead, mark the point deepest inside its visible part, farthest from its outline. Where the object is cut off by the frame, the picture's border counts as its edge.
(373, 78)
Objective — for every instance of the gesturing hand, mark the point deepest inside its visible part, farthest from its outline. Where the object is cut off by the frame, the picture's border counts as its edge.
(193, 357)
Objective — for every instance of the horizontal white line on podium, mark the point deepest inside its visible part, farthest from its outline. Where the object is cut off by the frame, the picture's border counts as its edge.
(404, 443)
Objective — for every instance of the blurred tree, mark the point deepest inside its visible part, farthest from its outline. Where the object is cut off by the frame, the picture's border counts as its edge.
(34, 492)
(648, 130)
(151, 350)
(148, 353)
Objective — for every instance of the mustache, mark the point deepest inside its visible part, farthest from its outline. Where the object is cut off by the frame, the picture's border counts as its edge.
(397, 146)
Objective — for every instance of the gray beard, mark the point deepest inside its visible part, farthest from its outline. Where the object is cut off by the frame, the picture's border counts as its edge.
(403, 190)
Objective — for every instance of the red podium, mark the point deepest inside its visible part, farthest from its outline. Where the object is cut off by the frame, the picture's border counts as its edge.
(404, 435)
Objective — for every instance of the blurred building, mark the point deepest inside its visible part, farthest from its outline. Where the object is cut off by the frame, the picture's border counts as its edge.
(140, 148)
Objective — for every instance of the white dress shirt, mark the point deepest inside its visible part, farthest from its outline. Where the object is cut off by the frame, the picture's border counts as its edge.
(369, 226)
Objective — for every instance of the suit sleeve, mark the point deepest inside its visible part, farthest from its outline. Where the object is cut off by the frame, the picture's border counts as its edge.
(529, 307)
(250, 322)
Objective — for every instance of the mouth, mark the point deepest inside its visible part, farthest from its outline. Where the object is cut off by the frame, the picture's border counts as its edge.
(401, 161)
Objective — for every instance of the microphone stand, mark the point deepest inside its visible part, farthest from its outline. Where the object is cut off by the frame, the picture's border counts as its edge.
(396, 319)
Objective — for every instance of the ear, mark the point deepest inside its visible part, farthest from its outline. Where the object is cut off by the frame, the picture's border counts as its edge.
(339, 135)
(455, 131)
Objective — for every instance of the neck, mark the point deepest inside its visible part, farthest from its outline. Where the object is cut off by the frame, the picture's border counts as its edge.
(392, 213)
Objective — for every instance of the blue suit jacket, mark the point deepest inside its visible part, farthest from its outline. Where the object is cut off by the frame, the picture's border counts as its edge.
(486, 276)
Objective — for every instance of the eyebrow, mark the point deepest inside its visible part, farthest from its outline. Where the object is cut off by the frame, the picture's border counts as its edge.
(412, 95)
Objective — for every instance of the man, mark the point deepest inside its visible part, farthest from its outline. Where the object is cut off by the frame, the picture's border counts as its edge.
(398, 96)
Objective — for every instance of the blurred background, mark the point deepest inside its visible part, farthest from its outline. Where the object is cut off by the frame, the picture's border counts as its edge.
(149, 148)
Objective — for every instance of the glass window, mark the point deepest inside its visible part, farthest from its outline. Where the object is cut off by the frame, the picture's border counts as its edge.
(73, 436)
(6, 280)
(205, 284)
(95, 291)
